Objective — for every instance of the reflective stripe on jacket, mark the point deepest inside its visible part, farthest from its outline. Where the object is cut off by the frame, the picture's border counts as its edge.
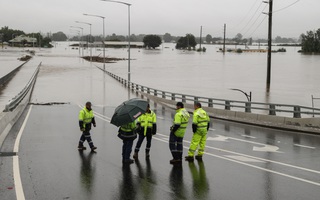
(200, 118)
(127, 131)
(130, 127)
(85, 116)
(147, 120)
(181, 118)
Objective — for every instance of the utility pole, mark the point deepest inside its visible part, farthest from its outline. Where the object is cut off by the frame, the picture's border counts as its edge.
(200, 37)
(269, 43)
(224, 39)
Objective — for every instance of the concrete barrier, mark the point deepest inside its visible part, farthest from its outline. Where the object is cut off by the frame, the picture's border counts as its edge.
(8, 119)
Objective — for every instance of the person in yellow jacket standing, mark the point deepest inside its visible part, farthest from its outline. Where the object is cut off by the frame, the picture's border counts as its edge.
(147, 126)
(200, 127)
(177, 132)
(86, 118)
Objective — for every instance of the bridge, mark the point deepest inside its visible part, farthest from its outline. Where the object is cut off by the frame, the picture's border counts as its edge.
(39, 137)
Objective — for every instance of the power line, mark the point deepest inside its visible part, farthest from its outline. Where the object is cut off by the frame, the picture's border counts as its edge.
(251, 18)
(255, 22)
(286, 6)
(258, 26)
(247, 13)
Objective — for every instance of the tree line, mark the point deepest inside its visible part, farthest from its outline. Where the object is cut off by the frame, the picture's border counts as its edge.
(310, 42)
(7, 34)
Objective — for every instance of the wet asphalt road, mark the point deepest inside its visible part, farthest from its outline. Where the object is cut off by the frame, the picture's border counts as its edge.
(241, 162)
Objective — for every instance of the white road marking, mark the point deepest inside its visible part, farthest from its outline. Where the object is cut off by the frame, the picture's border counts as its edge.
(244, 158)
(222, 138)
(309, 147)
(265, 147)
(256, 167)
(98, 115)
(15, 162)
(248, 136)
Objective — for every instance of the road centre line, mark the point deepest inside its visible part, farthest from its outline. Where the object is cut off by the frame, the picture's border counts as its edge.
(250, 165)
(257, 158)
(236, 153)
(248, 136)
(246, 164)
(232, 152)
(241, 140)
(15, 161)
(304, 146)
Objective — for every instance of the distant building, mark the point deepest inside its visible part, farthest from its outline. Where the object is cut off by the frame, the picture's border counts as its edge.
(23, 40)
(227, 42)
(120, 44)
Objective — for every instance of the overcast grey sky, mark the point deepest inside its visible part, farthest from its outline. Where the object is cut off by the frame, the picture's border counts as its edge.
(177, 17)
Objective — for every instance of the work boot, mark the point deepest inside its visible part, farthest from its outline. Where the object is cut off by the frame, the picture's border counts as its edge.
(135, 155)
(81, 148)
(199, 158)
(93, 148)
(175, 162)
(189, 158)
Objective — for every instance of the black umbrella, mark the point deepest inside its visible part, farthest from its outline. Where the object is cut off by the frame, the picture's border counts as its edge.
(129, 111)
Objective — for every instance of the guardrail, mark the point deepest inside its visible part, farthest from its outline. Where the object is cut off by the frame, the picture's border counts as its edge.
(294, 111)
(14, 102)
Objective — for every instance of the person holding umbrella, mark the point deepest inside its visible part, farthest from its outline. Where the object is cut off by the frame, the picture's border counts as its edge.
(125, 116)
(86, 118)
(127, 133)
(147, 127)
(177, 132)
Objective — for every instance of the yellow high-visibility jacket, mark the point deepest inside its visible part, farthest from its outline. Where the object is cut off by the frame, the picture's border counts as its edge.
(86, 117)
(181, 119)
(200, 119)
(148, 120)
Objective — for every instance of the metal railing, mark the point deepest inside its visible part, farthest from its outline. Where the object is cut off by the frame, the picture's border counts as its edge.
(294, 111)
(14, 102)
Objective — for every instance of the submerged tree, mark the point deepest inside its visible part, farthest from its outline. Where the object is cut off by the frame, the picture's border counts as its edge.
(310, 43)
(152, 41)
(187, 42)
(59, 36)
(167, 37)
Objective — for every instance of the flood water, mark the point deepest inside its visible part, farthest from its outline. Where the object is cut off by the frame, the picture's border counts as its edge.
(294, 76)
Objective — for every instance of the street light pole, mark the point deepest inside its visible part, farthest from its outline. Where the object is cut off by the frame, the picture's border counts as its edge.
(89, 37)
(127, 4)
(247, 95)
(81, 35)
(104, 51)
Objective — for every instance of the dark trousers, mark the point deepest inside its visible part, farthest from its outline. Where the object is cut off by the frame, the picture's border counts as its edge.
(140, 140)
(86, 136)
(126, 149)
(175, 145)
